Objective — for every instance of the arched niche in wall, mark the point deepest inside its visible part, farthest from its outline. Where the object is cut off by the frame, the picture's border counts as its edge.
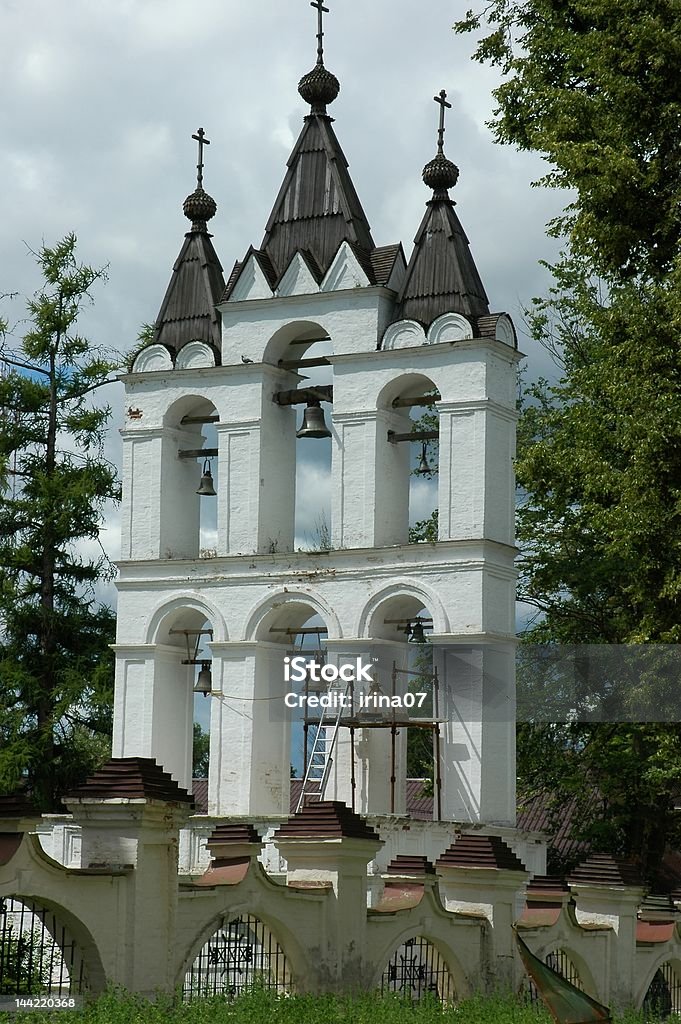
(417, 970)
(188, 461)
(406, 470)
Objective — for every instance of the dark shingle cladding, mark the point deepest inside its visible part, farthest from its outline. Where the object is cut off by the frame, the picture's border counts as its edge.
(327, 819)
(188, 310)
(480, 851)
(405, 864)
(132, 778)
(441, 276)
(603, 869)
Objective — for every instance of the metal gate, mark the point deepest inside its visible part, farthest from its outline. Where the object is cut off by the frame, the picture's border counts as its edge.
(561, 964)
(416, 969)
(241, 954)
(37, 954)
(663, 997)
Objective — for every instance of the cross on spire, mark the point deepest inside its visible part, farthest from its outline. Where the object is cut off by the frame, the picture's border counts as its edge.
(442, 100)
(321, 11)
(202, 141)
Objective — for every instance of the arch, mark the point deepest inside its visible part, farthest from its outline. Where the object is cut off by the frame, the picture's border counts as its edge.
(406, 590)
(152, 358)
(661, 992)
(61, 955)
(403, 334)
(292, 608)
(188, 405)
(167, 611)
(194, 355)
(449, 328)
(569, 965)
(419, 965)
(309, 331)
(405, 385)
(235, 951)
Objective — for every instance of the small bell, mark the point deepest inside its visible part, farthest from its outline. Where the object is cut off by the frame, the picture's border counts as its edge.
(423, 464)
(204, 683)
(314, 424)
(417, 635)
(206, 489)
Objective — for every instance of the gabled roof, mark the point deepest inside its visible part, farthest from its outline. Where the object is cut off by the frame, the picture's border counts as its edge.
(188, 310)
(441, 276)
(317, 207)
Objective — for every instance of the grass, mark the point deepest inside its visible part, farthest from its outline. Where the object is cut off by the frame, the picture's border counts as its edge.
(261, 1007)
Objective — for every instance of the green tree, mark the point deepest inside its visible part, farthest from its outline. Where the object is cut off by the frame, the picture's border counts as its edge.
(201, 753)
(592, 87)
(55, 662)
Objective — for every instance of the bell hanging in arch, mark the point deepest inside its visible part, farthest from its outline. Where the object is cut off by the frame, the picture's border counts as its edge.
(423, 464)
(417, 636)
(204, 682)
(206, 489)
(314, 424)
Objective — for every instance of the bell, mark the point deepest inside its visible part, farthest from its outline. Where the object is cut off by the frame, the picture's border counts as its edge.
(314, 424)
(204, 683)
(417, 634)
(423, 464)
(206, 489)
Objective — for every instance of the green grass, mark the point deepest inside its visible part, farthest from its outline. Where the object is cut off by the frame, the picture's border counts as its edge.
(260, 1007)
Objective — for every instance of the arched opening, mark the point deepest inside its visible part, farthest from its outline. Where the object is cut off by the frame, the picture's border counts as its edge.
(407, 461)
(304, 348)
(417, 970)
(190, 480)
(663, 997)
(38, 954)
(182, 698)
(404, 667)
(241, 954)
(300, 661)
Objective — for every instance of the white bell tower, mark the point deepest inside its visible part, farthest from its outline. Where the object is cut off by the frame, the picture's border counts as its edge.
(231, 359)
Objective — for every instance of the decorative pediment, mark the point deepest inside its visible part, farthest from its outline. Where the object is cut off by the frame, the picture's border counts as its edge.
(298, 278)
(449, 327)
(344, 272)
(404, 334)
(194, 355)
(251, 283)
(153, 357)
(505, 332)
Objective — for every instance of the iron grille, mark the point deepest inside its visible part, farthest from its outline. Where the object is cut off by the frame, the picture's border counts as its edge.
(561, 964)
(663, 997)
(416, 969)
(37, 954)
(241, 954)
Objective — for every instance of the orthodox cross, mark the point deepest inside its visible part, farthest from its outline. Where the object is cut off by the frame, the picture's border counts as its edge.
(321, 11)
(202, 141)
(442, 100)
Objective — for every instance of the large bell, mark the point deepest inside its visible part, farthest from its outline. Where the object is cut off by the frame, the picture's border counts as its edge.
(417, 636)
(204, 683)
(206, 489)
(314, 424)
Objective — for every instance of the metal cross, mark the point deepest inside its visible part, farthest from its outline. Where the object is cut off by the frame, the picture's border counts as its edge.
(202, 141)
(321, 11)
(442, 100)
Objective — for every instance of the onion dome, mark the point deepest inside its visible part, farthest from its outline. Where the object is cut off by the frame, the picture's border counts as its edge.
(199, 207)
(440, 175)
(319, 87)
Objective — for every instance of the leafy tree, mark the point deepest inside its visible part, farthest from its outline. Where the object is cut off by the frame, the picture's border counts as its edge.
(55, 662)
(593, 88)
(201, 753)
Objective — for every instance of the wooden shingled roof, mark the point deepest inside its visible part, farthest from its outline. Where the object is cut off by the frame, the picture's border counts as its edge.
(317, 207)
(188, 310)
(441, 276)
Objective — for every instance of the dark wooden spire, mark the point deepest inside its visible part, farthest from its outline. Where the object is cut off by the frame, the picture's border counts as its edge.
(188, 309)
(317, 207)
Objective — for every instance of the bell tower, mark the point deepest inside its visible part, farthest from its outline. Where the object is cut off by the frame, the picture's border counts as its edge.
(212, 405)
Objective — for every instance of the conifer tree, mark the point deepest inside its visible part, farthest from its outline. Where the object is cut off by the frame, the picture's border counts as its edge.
(55, 662)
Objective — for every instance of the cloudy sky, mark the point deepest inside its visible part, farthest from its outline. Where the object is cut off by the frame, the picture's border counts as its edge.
(100, 101)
